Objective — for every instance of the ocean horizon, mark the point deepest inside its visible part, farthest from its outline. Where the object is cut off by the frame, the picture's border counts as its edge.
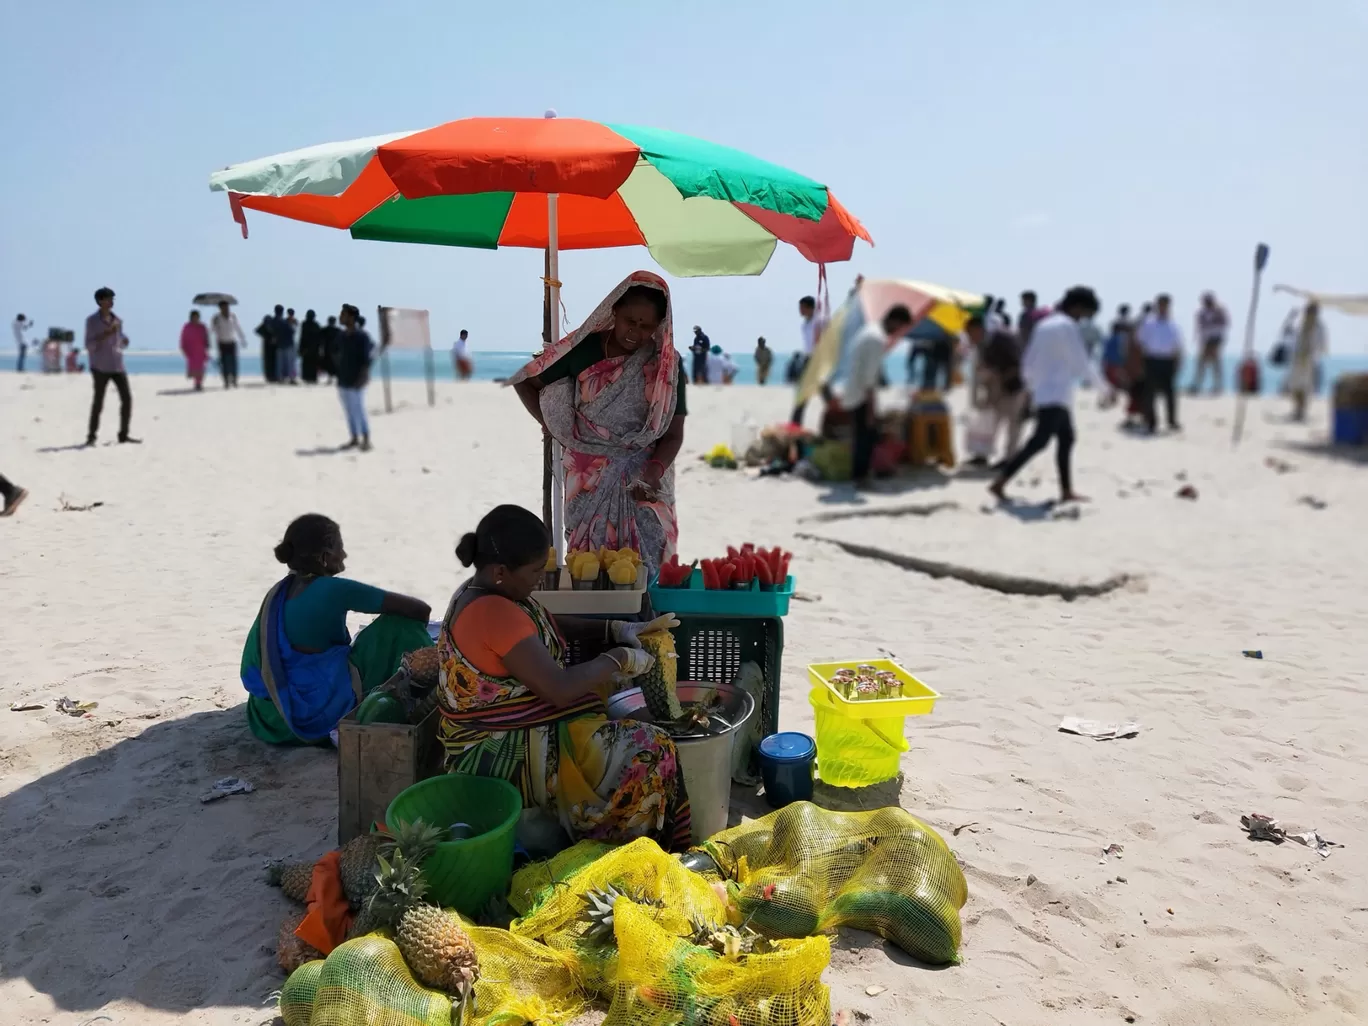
(499, 365)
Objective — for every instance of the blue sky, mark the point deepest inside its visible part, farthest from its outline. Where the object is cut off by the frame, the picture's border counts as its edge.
(991, 146)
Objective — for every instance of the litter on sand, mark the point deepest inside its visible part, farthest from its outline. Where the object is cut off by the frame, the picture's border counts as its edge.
(1097, 730)
(1114, 850)
(74, 708)
(1252, 653)
(225, 786)
(1313, 840)
(1263, 828)
(25, 706)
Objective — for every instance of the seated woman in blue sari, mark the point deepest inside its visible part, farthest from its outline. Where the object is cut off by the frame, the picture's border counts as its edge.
(300, 666)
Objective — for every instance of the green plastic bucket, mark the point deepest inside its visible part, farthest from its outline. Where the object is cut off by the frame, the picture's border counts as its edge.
(464, 874)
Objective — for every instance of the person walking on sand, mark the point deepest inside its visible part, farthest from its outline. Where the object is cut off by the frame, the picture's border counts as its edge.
(700, 347)
(764, 359)
(862, 386)
(228, 336)
(327, 348)
(1056, 361)
(1031, 315)
(810, 330)
(266, 332)
(1307, 353)
(282, 331)
(1162, 344)
(460, 357)
(1212, 324)
(355, 352)
(310, 348)
(194, 344)
(12, 494)
(106, 341)
(21, 325)
(997, 393)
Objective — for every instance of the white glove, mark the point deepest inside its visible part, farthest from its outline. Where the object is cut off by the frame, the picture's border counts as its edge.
(631, 662)
(628, 632)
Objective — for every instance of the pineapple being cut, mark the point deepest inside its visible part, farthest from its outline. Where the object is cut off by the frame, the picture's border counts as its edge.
(658, 683)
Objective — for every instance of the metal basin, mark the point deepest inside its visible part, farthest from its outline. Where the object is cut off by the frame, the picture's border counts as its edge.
(704, 759)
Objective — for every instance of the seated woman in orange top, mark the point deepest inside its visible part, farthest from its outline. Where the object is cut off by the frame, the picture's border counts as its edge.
(511, 708)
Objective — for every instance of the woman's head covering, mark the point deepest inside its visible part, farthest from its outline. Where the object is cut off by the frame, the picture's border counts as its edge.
(666, 368)
(717, 350)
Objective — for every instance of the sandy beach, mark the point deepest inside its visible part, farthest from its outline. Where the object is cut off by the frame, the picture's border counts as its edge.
(127, 898)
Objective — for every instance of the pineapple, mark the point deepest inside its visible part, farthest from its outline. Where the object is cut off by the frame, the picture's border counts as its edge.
(416, 840)
(658, 683)
(293, 879)
(599, 911)
(432, 940)
(358, 867)
(291, 952)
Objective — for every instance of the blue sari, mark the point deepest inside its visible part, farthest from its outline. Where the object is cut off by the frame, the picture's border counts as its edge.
(310, 691)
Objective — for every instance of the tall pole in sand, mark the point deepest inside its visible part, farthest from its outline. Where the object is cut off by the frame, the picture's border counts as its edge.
(1260, 262)
(553, 480)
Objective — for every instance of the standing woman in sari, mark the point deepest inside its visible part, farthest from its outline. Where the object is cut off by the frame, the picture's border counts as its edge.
(612, 393)
(194, 343)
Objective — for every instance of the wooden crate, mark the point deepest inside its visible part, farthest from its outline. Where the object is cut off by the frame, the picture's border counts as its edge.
(375, 762)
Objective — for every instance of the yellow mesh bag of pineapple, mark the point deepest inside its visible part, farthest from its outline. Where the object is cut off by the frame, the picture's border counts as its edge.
(676, 898)
(297, 996)
(665, 980)
(534, 882)
(804, 870)
(523, 981)
(366, 981)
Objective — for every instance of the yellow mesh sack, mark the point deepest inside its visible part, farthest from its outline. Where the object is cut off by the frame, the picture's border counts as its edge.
(366, 981)
(640, 868)
(806, 869)
(522, 981)
(532, 884)
(663, 980)
(297, 996)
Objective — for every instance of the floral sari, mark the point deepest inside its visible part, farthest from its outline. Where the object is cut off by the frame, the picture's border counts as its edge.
(601, 779)
(608, 420)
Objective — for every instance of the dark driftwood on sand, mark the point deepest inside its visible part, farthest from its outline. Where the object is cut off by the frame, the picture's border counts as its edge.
(1007, 584)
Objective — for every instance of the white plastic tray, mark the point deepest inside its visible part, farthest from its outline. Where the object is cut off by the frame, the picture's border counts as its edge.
(566, 601)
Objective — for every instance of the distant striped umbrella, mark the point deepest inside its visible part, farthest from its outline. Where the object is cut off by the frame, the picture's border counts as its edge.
(699, 208)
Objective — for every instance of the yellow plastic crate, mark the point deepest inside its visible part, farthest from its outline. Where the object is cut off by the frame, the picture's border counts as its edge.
(917, 700)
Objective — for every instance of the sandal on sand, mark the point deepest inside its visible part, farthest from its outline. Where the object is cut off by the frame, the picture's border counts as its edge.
(19, 496)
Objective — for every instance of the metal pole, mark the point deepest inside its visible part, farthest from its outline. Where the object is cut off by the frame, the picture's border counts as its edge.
(546, 344)
(1260, 262)
(430, 372)
(553, 300)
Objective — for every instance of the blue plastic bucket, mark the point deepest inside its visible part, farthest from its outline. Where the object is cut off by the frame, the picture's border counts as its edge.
(786, 765)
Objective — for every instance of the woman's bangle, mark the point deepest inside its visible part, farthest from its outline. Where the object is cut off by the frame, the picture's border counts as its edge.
(662, 466)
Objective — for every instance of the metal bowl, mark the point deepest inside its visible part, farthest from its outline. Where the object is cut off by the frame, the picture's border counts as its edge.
(736, 707)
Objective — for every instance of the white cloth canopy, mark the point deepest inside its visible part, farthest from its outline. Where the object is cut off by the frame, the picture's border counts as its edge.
(1355, 305)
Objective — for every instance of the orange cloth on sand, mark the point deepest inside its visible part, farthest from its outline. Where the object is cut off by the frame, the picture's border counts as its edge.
(329, 917)
(487, 629)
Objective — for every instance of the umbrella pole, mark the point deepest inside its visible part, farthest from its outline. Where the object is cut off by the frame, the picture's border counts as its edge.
(546, 344)
(1260, 261)
(557, 496)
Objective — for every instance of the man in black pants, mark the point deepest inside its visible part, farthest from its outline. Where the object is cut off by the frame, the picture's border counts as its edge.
(1056, 361)
(105, 340)
(1162, 344)
(862, 385)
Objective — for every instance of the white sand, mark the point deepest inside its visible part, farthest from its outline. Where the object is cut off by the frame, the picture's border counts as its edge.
(125, 897)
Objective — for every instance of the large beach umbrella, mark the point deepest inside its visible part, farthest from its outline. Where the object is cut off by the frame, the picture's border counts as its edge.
(213, 299)
(553, 184)
(947, 308)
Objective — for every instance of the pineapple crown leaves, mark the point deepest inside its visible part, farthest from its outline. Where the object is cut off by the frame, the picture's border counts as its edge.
(399, 886)
(417, 840)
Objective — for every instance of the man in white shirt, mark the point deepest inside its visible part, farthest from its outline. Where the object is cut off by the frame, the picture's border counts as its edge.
(811, 333)
(21, 325)
(228, 334)
(1162, 344)
(1212, 324)
(1056, 361)
(460, 357)
(862, 385)
(720, 367)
